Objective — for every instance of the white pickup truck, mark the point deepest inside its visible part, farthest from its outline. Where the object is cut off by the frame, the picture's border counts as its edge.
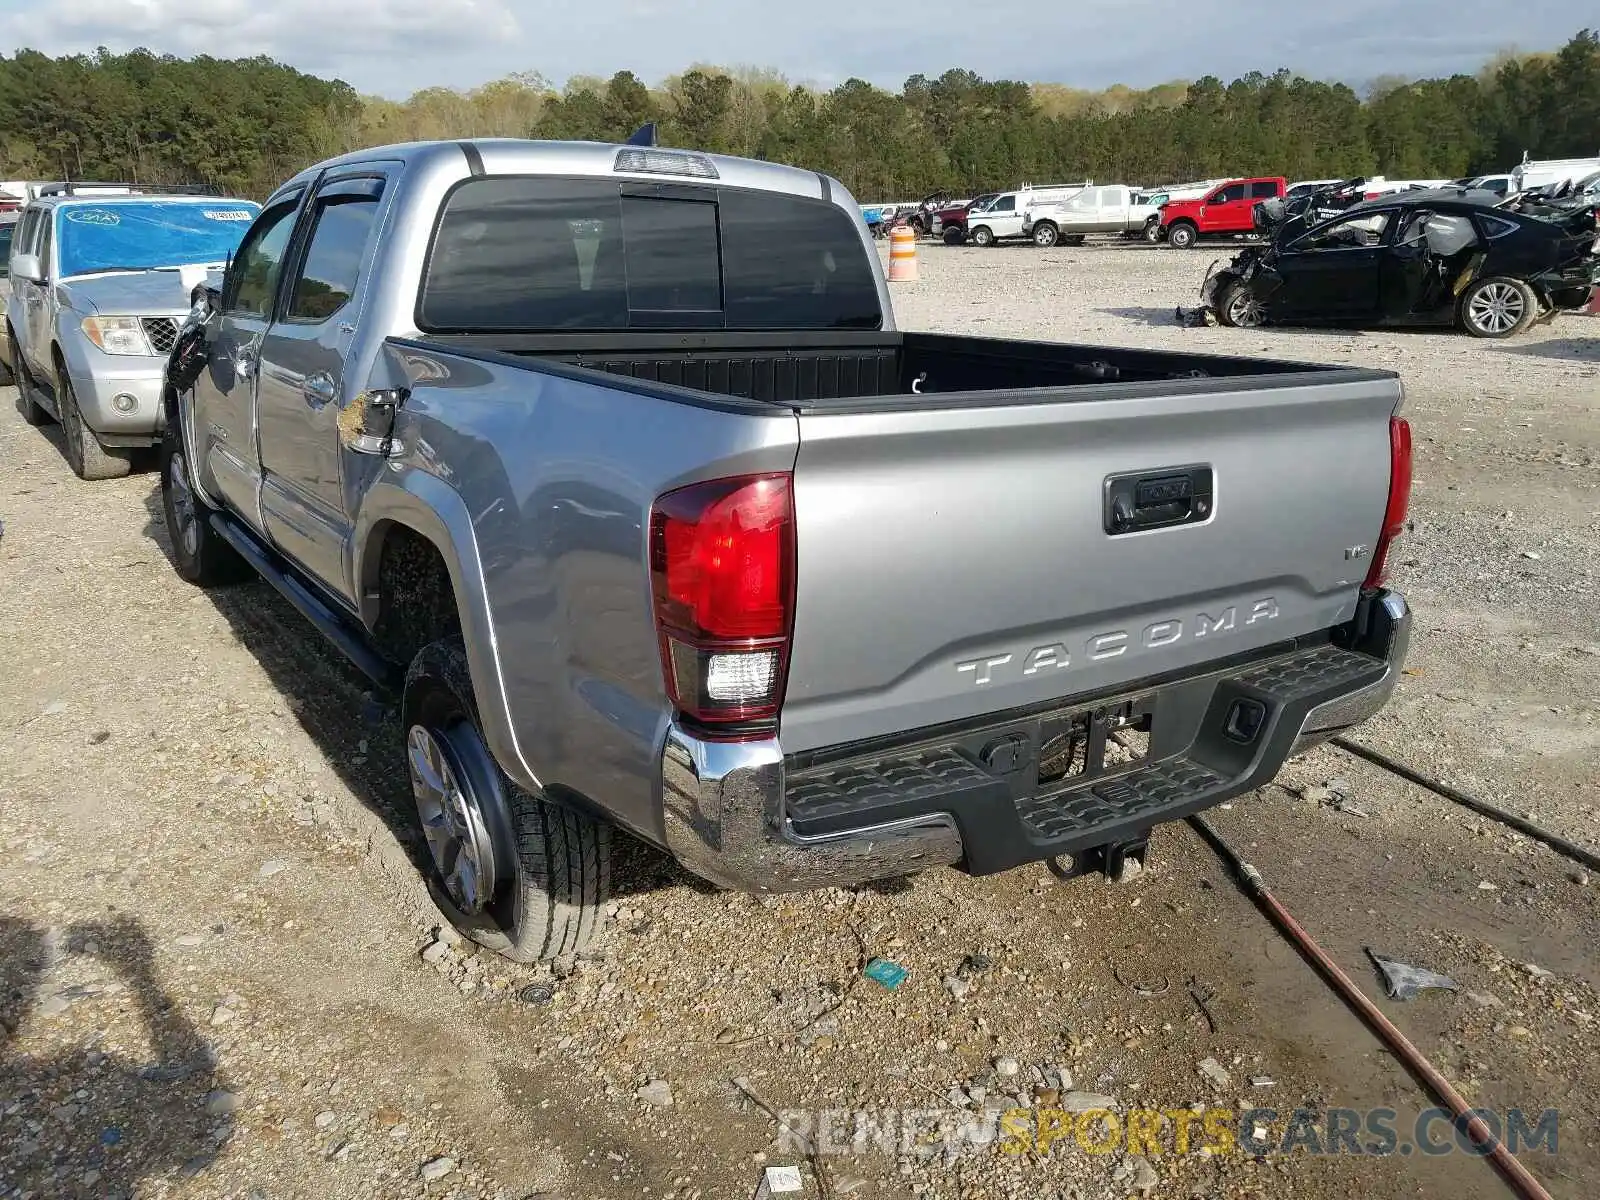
(1107, 208)
(1003, 218)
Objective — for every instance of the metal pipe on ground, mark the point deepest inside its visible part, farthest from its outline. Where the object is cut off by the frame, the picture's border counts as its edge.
(1250, 882)
(1555, 841)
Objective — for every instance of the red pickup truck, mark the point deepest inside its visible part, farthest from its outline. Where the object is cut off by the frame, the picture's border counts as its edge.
(1227, 210)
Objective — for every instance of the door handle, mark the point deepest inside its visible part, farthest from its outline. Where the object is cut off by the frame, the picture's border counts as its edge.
(244, 362)
(318, 389)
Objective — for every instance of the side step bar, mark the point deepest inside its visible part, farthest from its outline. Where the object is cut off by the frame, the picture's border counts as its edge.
(340, 630)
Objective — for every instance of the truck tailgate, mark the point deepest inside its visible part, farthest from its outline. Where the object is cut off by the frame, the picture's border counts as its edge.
(960, 560)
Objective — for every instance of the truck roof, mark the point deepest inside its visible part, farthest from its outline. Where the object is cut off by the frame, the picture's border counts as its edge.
(111, 199)
(513, 156)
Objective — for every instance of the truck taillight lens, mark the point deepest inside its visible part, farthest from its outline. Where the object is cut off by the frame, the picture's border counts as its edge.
(722, 566)
(1394, 514)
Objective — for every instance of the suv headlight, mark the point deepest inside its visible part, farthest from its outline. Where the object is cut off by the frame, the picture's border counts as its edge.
(118, 335)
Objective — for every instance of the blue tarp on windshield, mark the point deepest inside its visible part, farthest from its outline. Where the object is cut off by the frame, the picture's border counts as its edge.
(149, 233)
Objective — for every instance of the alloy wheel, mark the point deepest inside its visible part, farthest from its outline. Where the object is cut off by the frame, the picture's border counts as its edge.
(1244, 310)
(452, 819)
(183, 510)
(1497, 308)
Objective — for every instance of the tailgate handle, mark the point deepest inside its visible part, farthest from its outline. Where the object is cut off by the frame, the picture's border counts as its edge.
(1158, 499)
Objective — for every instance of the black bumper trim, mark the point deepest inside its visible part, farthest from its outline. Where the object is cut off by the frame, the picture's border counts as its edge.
(1009, 818)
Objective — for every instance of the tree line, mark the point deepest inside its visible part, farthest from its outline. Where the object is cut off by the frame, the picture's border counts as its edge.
(244, 125)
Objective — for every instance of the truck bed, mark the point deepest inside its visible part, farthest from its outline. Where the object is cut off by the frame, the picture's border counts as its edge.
(959, 553)
(854, 372)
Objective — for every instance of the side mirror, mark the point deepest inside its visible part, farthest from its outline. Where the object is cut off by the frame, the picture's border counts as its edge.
(27, 266)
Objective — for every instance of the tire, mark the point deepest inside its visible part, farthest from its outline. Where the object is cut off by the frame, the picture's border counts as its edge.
(1045, 235)
(1074, 239)
(983, 236)
(954, 236)
(528, 878)
(33, 412)
(1152, 230)
(85, 455)
(919, 226)
(1497, 307)
(199, 553)
(1182, 235)
(1238, 309)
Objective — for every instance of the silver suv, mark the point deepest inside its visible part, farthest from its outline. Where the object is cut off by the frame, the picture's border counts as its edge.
(99, 283)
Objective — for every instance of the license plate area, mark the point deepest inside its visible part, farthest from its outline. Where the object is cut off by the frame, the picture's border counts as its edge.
(1093, 743)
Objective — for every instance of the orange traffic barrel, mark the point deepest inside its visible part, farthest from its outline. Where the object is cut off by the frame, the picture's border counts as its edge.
(902, 254)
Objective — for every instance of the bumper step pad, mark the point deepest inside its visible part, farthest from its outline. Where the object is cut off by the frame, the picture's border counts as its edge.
(1146, 793)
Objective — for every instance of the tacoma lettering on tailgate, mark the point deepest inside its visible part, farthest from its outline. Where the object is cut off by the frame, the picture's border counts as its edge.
(1055, 656)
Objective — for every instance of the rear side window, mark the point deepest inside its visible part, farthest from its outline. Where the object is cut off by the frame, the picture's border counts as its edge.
(543, 254)
(1263, 191)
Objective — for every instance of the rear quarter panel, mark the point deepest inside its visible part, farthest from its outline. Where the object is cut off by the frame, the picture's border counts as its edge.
(556, 474)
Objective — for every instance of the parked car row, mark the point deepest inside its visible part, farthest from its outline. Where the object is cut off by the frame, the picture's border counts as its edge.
(1182, 215)
(610, 461)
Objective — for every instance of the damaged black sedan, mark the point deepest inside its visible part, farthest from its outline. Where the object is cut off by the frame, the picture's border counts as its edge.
(1441, 257)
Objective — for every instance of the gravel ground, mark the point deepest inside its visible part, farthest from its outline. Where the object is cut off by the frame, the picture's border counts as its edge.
(221, 977)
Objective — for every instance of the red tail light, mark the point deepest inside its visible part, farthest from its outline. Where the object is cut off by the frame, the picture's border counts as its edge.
(722, 567)
(1394, 514)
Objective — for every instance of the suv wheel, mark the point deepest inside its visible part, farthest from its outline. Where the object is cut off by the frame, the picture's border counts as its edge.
(1182, 235)
(1045, 235)
(983, 236)
(33, 412)
(1498, 307)
(85, 455)
(514, 872)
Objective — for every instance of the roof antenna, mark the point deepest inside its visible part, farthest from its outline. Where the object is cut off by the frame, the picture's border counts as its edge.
(645, 135)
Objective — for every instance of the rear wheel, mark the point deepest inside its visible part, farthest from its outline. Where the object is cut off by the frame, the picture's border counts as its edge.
(1152, 230)
(1498, 307)
(954, 235)
(1073, 239)
(1045, 235)
(514, 872)
(983, 236)
(85, 455)
(1182, 235)
(1240, 307)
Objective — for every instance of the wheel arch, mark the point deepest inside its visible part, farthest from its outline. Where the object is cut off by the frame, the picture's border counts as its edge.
(425, 508)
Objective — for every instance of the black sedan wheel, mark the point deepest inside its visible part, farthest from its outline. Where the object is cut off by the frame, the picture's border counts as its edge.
(1240, 307)
(1498, 307)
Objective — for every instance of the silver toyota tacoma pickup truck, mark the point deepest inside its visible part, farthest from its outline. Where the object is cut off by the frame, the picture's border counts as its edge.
(612, 460)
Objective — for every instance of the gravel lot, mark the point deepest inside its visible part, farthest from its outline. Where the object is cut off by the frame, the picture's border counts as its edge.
(220, 978)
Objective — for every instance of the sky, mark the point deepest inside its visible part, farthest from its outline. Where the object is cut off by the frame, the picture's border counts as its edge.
(395, 47)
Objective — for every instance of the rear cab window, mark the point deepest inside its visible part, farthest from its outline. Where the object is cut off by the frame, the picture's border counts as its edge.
(536, 254)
